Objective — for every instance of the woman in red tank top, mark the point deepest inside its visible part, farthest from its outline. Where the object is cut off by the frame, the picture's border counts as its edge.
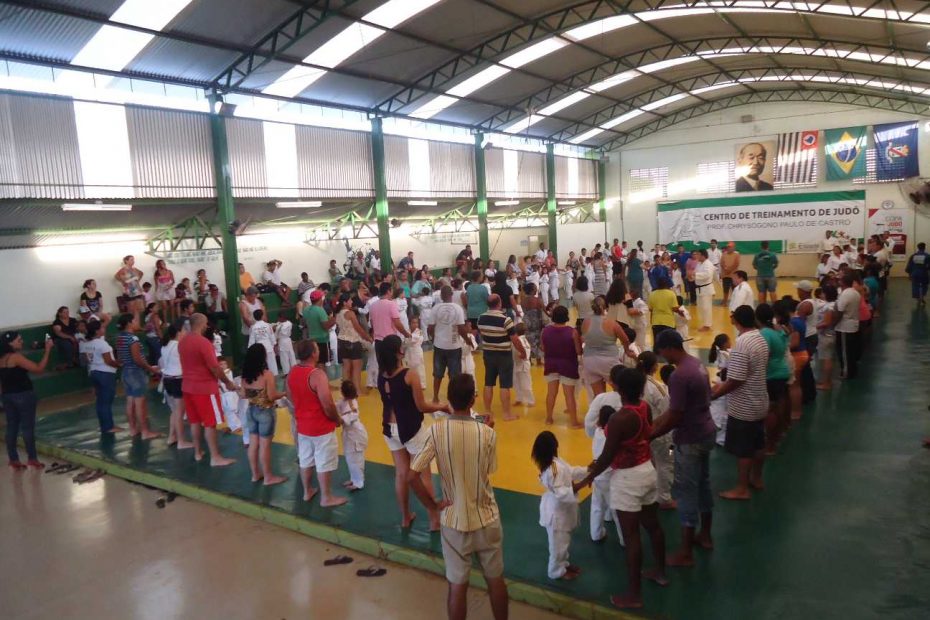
(633, 484)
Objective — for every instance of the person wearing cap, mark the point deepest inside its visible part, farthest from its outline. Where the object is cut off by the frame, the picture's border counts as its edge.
(742, 294)
(747, 403)
(729, 264)
(808, 310)
(271, 278)
(318, 322)
(247, 306)
(688, 416)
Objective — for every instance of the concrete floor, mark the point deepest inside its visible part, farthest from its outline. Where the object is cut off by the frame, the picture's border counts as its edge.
(104, 550)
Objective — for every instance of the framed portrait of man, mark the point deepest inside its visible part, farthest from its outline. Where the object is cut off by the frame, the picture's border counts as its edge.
(755, 169)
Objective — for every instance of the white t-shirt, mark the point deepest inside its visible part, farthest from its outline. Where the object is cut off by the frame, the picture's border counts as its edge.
(540, 255)
(272, 276)
(446, 319)
(94, 351)
(834, 262)
(375, 263)
(170, 361)
(847, 304)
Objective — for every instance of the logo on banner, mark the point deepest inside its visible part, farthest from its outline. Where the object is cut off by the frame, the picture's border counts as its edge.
(809, 140)
(847, 152)
(894, 151)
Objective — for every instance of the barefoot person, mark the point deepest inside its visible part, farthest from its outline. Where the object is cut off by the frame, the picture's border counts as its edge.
(260, 390)
(465, 452)
(688, 416)
(171, 375)
(498, 340)
(403, 406)
(200, 371)
(317, 419)
(135, 371)
(561, 345)
(633, 485)
(747, 403)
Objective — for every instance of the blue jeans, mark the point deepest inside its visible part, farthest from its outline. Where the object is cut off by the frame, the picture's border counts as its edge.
(105, 387)
(154, 343)
(691, 488)
(450, 359)
(20, 410)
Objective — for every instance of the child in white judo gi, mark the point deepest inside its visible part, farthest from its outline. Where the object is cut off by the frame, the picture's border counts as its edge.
(554, 284)
(544, 285)
(262, 333)
(354, 436)
(413, 350)
(522, 382)
(469, 346)
(600, 489)
(656, 396)
(282, 332)
(558, 507)
(682, 323)
(639, 314)
(720, 355)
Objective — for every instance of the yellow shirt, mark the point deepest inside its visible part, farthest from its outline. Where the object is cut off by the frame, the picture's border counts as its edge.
(246, 280)
(662, 304)
(466, 455)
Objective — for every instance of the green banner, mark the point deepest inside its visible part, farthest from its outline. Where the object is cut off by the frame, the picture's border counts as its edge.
(844, 152)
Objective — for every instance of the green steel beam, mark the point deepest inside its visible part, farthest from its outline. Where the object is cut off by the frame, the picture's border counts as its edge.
(550, 200)
(602, 193)
(381, 198)
(226, 212)
(481, 185)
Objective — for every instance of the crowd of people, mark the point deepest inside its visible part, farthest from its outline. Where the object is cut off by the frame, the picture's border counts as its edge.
(652, 428)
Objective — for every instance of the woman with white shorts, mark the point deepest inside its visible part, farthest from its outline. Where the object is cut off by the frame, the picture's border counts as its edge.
(402, 422)
(600, 335)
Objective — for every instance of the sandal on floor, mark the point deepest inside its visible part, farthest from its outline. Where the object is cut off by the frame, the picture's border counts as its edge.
(339, 559)
(96, 475)
(371, 571)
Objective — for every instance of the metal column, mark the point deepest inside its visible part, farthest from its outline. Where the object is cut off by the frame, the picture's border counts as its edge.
(481, 185)
(381, 199)
(602, 193)
(550, 200)
(227, 215)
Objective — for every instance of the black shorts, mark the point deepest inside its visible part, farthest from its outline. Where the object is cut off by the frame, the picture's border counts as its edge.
(744, 439)
(173, 387)
(498, 365)
(324, 351)
(777, 389)
(350, 350)
(727, 285)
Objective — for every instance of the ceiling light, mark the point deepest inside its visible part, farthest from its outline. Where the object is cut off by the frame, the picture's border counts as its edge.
(305, 204)
(506, 203)
(422, 203)
(96, 206)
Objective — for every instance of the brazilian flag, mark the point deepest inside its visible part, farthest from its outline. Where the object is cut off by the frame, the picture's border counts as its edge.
(844, 152)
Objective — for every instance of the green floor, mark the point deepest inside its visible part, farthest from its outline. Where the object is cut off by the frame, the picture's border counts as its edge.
(842, 530)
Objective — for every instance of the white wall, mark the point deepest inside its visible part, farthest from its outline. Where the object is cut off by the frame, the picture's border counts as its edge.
(42, 279)
(712, 138)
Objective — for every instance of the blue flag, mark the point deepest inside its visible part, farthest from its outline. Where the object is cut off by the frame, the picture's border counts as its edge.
(896, 151)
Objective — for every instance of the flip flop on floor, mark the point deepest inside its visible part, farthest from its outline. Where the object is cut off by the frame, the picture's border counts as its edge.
(371, 571)
(68, 469)
(84, 475)
(339, 559)
(56, 467)
(96, 475)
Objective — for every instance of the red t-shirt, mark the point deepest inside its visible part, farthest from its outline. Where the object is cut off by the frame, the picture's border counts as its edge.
(197, 358)
(308, 410)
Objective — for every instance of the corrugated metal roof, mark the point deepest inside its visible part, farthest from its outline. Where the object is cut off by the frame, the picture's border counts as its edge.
(42, 35)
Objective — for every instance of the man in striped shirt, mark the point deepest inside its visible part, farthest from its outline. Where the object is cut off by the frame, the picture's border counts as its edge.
(747, 403)
(465, 451)
(498, 340)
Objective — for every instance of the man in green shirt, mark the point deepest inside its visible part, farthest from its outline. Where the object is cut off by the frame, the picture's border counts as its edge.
(318, 324)
(765, 264)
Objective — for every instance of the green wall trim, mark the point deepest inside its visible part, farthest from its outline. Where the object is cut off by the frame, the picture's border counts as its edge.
(773, 198)
(518, 590)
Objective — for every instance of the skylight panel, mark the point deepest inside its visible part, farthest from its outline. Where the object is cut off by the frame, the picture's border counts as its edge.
(534, 52)
(622, 119)
(584, 137)
(433, 107)
(396, 12)
(148, 14)
(602, 26)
